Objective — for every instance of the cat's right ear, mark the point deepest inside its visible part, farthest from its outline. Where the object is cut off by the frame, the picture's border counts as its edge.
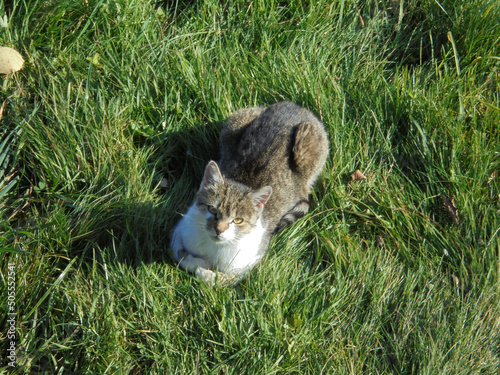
(261, 196)
(211, 177)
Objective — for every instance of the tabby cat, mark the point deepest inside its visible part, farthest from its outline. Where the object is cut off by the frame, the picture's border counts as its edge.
(270, 158)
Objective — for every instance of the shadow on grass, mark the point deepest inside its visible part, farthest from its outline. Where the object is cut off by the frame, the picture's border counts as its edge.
(136, 230)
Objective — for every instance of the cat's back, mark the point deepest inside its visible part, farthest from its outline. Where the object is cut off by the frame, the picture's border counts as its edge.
(257, 144)
(271, 133)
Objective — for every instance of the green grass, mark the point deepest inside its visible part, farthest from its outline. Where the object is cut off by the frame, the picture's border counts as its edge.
(117, 97)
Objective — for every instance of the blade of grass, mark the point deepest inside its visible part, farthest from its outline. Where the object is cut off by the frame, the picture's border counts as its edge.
(56, 283)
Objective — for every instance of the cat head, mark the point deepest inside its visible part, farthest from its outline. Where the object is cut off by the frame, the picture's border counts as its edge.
(231, 209)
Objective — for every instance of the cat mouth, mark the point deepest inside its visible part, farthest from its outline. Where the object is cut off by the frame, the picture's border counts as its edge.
(217, 238)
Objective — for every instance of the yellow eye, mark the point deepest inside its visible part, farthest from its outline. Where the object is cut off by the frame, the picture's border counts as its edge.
(212, 210)
(238, 221)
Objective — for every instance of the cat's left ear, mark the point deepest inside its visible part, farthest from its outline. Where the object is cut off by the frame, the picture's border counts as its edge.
(212, 176)
(261, 196)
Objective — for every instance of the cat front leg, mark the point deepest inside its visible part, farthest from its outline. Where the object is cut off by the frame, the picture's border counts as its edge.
(211, 278)
(187, 261)
(197, 266)
(200, 268)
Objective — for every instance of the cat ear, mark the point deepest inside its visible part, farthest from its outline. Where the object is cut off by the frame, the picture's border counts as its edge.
(261, 196)
(212, 176)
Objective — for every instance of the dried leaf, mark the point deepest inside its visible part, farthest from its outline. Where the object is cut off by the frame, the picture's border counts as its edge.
(449, 204)
(10, 60)
(358, 176)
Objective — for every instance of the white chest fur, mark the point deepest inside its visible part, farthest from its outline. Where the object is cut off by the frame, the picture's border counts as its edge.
(234, 254)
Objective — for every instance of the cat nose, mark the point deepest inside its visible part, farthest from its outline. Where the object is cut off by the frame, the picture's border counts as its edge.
(220, 228)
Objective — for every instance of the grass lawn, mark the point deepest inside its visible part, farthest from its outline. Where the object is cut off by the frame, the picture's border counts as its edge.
(104, 136)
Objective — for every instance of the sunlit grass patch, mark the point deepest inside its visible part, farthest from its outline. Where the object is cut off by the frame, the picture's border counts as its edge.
(107, 128)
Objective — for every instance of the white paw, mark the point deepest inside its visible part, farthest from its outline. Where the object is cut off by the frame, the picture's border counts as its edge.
(211, 278)
(207, 276)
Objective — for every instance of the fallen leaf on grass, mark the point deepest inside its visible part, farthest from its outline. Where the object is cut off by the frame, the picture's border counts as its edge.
(10, 60)
(358, 176)
(449, 204)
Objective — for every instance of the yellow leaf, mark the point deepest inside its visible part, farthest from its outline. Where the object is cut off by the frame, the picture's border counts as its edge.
(10, 60)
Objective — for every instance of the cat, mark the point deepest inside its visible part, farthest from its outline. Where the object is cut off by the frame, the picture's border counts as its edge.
(269, 159)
